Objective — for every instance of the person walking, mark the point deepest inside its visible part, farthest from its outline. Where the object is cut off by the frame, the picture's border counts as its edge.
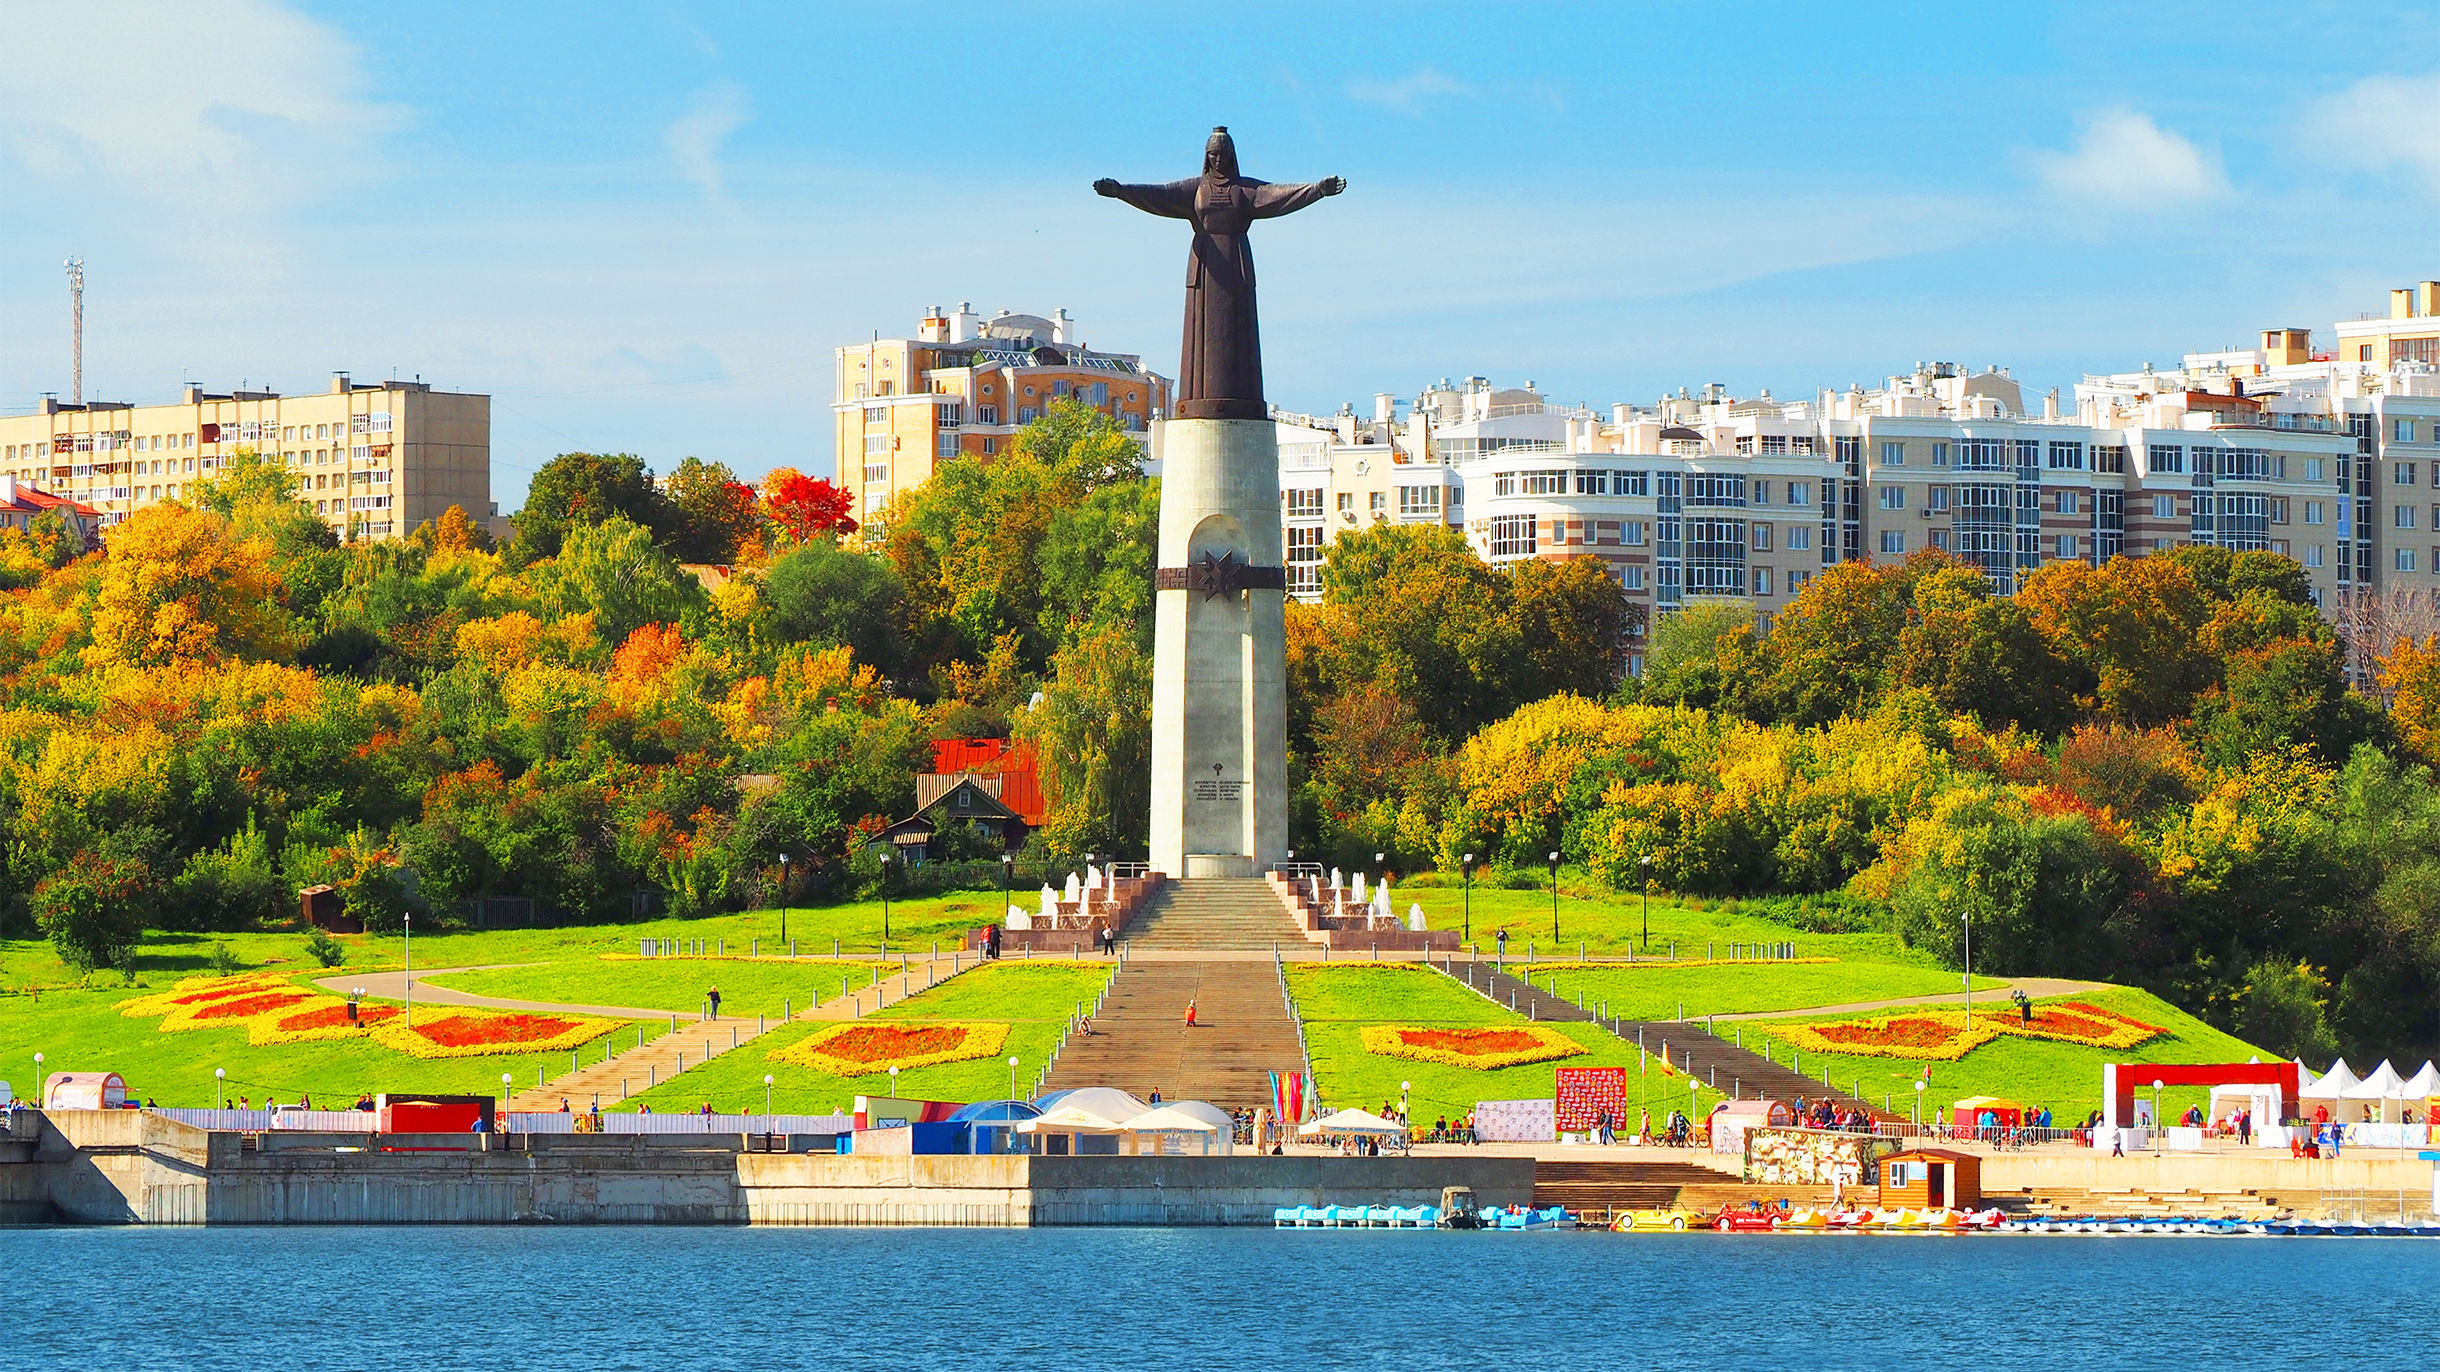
(713, 996)
(1503, 944)
(1190, 1013)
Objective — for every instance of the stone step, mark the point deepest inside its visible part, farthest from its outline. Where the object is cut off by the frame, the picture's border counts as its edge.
(1140, 1042)
(1213, 914)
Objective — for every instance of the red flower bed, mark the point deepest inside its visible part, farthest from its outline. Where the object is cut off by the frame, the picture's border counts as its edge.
(483, 1033)
(878, 1044)
(1893, 1033)
(1471, 1041)
(252, 1005)
(334, 1016)
(215, 993)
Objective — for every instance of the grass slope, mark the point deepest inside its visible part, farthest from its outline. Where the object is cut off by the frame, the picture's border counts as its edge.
(2034, 1072)
(1033, 998)
(1337, 1000)
(747, 988)
(1657, 990)
(1610, 924)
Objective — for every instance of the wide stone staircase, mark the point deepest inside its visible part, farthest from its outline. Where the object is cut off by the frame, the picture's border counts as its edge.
(1689, 1049)
(1140, 1042)
(1214, 914)
(1600, 1186)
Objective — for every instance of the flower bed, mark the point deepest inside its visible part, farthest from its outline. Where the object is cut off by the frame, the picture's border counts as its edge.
(1480, 1049)
(195, 992)
(481, 1033)
(323, 1019)
(857, 1049)
(1944, 1036)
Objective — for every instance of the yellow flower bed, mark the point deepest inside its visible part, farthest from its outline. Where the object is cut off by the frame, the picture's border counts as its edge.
(194, 991)
(1944, 1036)
(219, 1002)
(460, 1033)
(318, 1020)
(859, 1049)
(1483, 1050)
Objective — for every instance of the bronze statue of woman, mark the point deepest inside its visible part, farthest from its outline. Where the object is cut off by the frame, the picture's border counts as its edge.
(1220, 361)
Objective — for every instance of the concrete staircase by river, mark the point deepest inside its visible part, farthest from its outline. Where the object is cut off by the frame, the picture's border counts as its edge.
(1140, 1042)
(1214, 914)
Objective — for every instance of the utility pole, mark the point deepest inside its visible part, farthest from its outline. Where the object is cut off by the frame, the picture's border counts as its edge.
(76, 314)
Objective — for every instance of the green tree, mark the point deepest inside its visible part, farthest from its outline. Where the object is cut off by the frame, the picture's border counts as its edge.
(92, 910)
(230, 887)
(1979, 654)
(713, 514)
(246, 477)
(1093, 736)
(577, 489)
(1096, 561)
(1684, 663)
(823, 594)
(613, 572)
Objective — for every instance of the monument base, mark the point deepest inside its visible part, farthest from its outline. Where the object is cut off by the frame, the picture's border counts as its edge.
(1221, 865)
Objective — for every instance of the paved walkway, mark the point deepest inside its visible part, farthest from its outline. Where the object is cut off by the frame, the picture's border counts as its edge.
(393, 986)
(2036, 987)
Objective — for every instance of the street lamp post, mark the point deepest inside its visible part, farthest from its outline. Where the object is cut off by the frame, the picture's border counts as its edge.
(1008, 883)
(1968, 917)
(409, 917)
(2157, 1083)
(766, 1093)
(507, 1088)
(885, 900)
(1467, 869)
(1554, 899)
(220, 1082)
(893, 1081)
(1920, 1083)
(1403, 1112)
(1645, 862)
(1012, 1076)
(783, 900)
(38, 1091)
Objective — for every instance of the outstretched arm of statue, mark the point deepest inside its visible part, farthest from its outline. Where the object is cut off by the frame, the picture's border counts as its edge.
(1270, 201)
(1175, 200)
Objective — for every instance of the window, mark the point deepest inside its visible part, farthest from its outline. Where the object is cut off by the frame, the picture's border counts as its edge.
(944, 445)
(2402, 474)
(1420, 501)
(1762, 538)
(950, 416)
(2165, 457)
(1512, 535)
(1762, 492)
(1800, 538)
(876, 443)
(2403, 517)
(1940, 539)
(863, 392)
(2312, 554)
(2113, 460)
(1592, 482)
(1893, 497)
(1347, 502)
(1762, 581)
(2405, 430)
(362, 452)
(1774, 443)
(2363, 352)
(1027, 414)
(2312, 512)
(987, 447)
(1635, 531)
(1058, 389)
(1893, 541)
(1893, 454)
(1939, 496)
(2164, 507)
(1305, 501)
(1376, 501)
(986, 414)
(2068, 502)
(1800, 493)
(381, 421)
(1631, 577)
(1545, 483)
(2067, 545)
(2067, 457)
(2406, 559)
(1631, 483)
(1305, 559)
(2312, 469)
(1940, 454)
(2279, 509)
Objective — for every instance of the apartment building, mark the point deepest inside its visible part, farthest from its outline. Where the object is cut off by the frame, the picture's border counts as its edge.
(966, 384)
(374, 460)
(1338, 473)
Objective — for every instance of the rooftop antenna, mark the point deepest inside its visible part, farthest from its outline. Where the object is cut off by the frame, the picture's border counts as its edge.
(76, 313)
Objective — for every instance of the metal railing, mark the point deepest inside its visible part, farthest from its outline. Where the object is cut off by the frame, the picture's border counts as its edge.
(1296, 1018)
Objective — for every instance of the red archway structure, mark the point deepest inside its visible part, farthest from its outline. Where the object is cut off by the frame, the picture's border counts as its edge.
(2121, 1080)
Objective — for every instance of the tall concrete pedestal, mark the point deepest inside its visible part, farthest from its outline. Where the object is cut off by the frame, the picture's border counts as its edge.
(1219, 657)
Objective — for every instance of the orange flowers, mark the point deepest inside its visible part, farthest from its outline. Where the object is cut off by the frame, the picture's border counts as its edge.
(1480, 1049)
(482, 1033)
(1944, 1036)
(857, 1049)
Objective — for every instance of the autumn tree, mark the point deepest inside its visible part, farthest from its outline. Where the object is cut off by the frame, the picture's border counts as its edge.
(712, 513)
(803, 507)
(574, 490)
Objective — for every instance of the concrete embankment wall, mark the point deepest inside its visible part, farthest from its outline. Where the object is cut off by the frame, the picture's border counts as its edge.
(131, 1167)
(2296, 1182)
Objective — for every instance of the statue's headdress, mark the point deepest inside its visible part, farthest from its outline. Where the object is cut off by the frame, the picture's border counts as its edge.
(1220, 153)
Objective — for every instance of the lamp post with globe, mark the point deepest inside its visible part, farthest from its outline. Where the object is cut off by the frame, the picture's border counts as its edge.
(220, 1081)
(767, 1093)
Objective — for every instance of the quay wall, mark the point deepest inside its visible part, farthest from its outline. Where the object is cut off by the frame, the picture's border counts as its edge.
(133, 1167)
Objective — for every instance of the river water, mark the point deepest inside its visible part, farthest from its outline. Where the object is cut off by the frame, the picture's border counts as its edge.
(924, 1299)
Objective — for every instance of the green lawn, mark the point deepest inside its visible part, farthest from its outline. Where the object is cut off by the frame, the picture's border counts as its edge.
(81, 1030)
(1337, 1000)
(2034, 1072)
(747, 988)
(1657, 990)
(1034, 999)
(1609, 924)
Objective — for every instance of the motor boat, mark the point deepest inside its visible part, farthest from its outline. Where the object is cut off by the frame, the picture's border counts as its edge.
(1654, 1221)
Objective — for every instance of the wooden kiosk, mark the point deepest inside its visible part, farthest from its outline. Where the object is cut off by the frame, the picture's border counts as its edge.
(1925, 1178)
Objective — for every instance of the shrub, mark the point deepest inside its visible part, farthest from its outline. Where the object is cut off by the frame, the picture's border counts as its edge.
(91, 910)
(326, 950)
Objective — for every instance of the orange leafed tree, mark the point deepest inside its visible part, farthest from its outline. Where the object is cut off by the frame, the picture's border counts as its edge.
(804, 506)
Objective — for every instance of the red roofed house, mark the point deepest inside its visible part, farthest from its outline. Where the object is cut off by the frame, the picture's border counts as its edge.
(21, 502)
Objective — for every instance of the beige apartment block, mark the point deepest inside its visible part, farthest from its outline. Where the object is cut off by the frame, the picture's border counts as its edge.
(965, 385)
(373, 459)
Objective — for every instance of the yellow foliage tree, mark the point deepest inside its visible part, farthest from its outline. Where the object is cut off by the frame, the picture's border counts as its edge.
(178, 588)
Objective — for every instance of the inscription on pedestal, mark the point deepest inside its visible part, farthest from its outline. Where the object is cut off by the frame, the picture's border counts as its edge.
(1219, 790)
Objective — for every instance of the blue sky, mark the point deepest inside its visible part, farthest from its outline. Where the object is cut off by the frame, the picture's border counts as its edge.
(643, 227)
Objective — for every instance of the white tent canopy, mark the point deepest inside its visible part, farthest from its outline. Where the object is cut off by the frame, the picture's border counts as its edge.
(2383, 1084)
(1194, 1115)
(2331, 1083)
(1070, 1119)
(1353, 1122)
(2423, 1083)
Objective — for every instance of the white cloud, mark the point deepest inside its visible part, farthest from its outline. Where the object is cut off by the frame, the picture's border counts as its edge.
(230, 103)
(2126, 160)
(2382, 122)
(1407, 94)
(696, 137)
